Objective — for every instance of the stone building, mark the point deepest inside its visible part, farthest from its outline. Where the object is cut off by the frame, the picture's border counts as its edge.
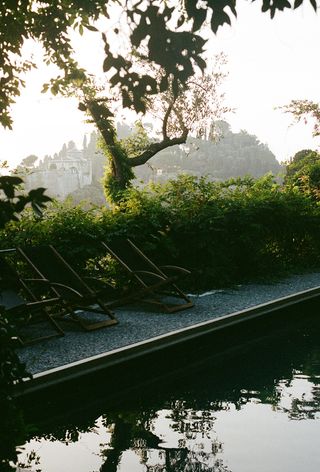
(69, 170)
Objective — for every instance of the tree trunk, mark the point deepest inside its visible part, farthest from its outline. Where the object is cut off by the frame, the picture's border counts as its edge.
(102, 118)
(120, 174)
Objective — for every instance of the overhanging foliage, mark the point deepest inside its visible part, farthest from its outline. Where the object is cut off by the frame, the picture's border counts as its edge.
(169, 31)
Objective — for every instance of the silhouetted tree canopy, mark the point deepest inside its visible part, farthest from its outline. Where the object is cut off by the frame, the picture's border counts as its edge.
(169, 31)
(13, 202)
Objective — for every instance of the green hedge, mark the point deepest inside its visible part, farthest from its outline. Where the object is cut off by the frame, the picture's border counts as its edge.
(226, 233)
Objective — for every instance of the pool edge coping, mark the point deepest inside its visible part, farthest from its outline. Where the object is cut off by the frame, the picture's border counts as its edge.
(107, 359)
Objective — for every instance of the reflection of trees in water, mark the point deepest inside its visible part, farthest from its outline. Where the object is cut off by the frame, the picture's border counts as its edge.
(192, 403)
(307, 405)
(192, 455)
(128, 428)
(305, 409)
(31, 462)
(191, 422)
(66, 434)
(183, 460)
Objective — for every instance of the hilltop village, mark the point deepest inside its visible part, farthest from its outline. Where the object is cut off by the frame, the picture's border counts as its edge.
(78, 172)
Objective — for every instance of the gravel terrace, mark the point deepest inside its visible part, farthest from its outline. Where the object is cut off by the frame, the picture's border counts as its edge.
(138, 323)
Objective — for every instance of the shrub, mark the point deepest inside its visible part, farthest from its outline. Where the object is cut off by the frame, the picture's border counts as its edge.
(12, 431)
(227, 232)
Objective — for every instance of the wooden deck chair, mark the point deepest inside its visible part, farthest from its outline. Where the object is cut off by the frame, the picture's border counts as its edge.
(25, 312)
(157, 284)
(67, 284)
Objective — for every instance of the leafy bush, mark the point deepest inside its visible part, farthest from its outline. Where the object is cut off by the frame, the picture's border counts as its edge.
(12, 430)
(303, 172)
(227, 232)
(240, 229)
(12, 203)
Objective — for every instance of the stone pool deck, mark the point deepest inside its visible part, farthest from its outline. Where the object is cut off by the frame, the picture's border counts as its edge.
(139, 328)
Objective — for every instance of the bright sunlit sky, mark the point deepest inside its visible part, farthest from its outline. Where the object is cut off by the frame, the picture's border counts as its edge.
(270, 62)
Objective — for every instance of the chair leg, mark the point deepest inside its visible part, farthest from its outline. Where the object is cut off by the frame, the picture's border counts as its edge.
(101, 324)
(51, 321)
(174, 308)
(98, 325)
(88, 325)
(154, 292)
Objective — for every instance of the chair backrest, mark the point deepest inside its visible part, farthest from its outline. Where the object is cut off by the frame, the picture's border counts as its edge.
(49, 264)
(9, 286)
(8, 276)
(148, 262)
(124, 251)
(10, 299)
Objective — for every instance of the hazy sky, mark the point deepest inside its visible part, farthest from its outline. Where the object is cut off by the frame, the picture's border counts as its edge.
(270, 63)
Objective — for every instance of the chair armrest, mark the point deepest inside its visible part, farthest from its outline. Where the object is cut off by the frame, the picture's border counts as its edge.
(152, 274)
(173, 268)
(157, 282)
(98, 282)
(56, 285)
(46, 281)
(40, 303)
(99, 287)
(72, 291)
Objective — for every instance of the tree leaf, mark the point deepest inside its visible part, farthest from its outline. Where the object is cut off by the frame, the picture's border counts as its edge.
(108, 63)
(297, 3)
(314, 5)
(91, 28)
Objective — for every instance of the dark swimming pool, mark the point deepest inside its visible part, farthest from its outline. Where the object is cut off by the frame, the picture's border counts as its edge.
(257, 411)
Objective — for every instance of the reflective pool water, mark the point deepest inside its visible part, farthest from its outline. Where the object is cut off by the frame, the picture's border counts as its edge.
(259, 411)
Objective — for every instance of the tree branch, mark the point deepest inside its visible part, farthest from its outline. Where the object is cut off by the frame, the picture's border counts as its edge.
(154, 148)
(165, 120)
